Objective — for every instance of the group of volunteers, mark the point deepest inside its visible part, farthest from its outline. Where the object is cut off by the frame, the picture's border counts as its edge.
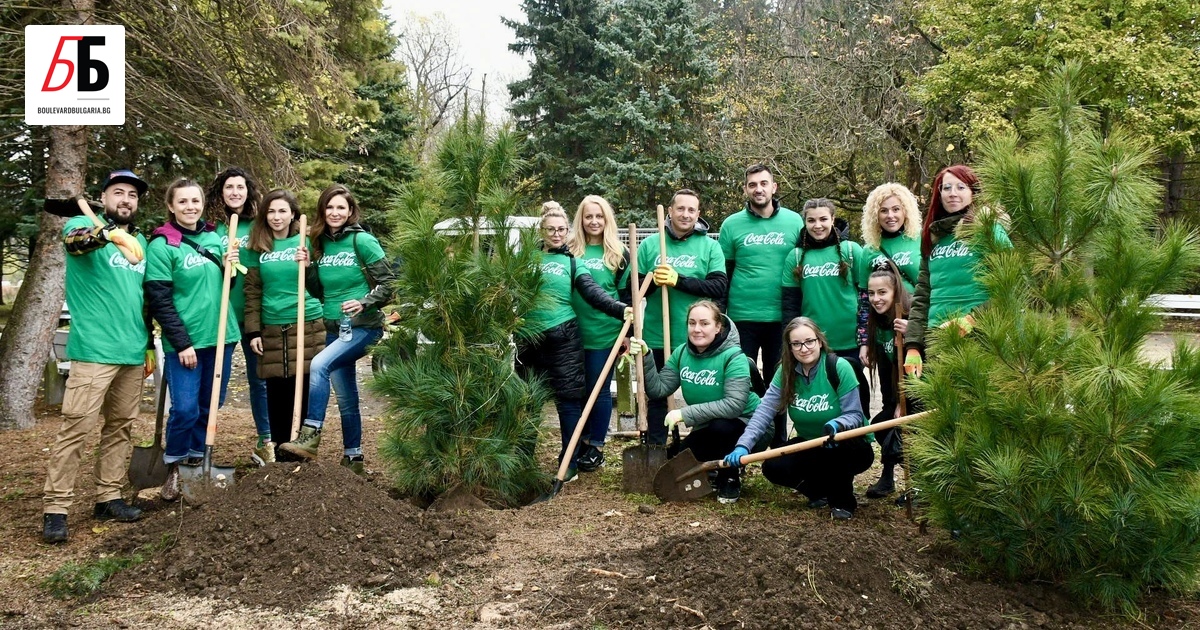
(179, 284)
(785, 290)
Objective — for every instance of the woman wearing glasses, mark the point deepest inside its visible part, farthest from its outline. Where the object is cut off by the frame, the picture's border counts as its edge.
(820, 392)
(554, 349)
(951, 247)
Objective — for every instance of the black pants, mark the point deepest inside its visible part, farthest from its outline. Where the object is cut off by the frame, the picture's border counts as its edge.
(713, 441)
(281, 393)
(864, 385)
(656, 409)
(891, 451)
(823, 473)
(764, 336)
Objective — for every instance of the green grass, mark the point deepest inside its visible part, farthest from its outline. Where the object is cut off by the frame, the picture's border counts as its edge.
(80, 579)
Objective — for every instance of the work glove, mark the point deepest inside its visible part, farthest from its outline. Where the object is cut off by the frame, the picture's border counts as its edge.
(148, 364)
(123, 240)
(831, 429)
(637, 347)
(734, 458)
(913, 362)
(965, 324)
(232, 256)
(665, 276)
(629, 314)
(674, 416)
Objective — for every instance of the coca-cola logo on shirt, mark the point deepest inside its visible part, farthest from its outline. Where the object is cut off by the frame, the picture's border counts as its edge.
(554, 268)
(812, 404)
(283, 255)
(957, 249)
(698, 377)
(118, 261)
(682, 261)
(594, 264)
(770, 238)
(341, 259)
(828, 270)
(191, 261)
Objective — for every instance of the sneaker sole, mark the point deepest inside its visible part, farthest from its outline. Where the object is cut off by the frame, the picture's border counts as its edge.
(297, 452)
(726, 501)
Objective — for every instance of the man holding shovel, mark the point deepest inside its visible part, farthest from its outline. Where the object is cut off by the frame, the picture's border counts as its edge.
(111, 353)
(692, 269)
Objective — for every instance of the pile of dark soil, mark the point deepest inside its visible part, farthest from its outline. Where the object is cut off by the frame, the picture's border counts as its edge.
(286, 534)
(772, 573)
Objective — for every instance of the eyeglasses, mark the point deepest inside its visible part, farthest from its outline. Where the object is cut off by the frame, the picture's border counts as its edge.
(960, 187)
(555, 230)
(803, 345)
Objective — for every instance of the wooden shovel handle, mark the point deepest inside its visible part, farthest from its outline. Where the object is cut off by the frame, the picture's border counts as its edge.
(214, 400)
(87, 212)
(772, 453)
(299, 393)
(666, 307)
(591, 401)
(637, 329)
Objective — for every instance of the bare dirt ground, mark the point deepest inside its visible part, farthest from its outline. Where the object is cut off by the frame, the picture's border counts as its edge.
(317, 547)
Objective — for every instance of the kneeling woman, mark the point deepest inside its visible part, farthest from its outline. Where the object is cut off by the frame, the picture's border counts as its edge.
(714, 377)
(276, 248)
(821, 395)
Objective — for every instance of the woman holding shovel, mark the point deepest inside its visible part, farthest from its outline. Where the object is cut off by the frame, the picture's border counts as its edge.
(234, 192)
(184, 277)
(276, 249)
(889, 307)
(553, 350)
(595, 245)
(820, 393)
(356, 278)
(713, 375)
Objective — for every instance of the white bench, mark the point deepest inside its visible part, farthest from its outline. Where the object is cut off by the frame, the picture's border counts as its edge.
(54, 379)
(1175, 305)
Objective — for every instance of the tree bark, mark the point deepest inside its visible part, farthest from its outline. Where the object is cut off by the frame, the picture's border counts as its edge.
(1173, 168)
(25, 345)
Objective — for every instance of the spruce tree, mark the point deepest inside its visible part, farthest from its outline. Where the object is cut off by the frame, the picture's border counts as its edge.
(458, 415)
(1055, 451)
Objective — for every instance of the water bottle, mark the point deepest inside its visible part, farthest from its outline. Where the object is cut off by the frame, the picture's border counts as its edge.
(345, 330)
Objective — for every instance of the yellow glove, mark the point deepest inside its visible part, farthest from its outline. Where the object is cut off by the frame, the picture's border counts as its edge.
(665, 276)
(148, 365)
(629, 314)
(637, 346)
(965, 324)
(130, 246)
(674, 416)
(913, 363)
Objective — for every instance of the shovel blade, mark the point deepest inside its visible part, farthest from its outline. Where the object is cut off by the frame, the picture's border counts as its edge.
(639, 464)
(683, 478)
(197, 483)
(146, 468)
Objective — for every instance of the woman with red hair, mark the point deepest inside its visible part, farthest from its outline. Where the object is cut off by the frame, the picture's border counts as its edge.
(948, 288)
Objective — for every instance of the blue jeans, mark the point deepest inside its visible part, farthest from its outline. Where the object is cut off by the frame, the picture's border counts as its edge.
(191, 391)
(335, 365)
(597, 421)
(258, 392)
(569, 410)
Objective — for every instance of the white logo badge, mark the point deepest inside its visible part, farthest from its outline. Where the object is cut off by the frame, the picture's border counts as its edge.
(75, 75)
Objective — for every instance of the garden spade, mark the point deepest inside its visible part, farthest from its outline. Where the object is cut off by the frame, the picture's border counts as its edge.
(685, 479)
(298, 396)
(195, 482)
(639, 463)
(146, 466)
(561, 477)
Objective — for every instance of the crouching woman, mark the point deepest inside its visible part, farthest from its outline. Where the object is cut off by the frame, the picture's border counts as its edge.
(713, 375)
(820, 392)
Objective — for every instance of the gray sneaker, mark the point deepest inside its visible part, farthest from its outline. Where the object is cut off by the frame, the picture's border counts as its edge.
(305, 445)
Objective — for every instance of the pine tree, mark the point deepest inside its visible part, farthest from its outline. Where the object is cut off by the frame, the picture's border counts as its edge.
(1056, 451)
(459, 416)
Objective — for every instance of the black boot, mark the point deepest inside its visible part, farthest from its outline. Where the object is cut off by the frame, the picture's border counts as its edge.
(54, 528)
(885, 486)
(116, 510)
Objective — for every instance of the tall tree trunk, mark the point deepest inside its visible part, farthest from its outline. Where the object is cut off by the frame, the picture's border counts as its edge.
(1, 273)
(25, 346)
(1173, 173)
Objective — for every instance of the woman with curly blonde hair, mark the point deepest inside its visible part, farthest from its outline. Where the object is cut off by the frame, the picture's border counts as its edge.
(595, 245)
(891, 230)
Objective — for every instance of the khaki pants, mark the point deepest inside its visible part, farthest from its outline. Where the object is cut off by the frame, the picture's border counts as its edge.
(92, 389)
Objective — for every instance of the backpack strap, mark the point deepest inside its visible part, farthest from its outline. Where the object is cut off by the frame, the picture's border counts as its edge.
(200, 249)
(831, 371)
(572, 275)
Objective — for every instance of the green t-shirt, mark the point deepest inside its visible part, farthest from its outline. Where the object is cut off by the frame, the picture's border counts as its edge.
(104, 295)
(280, 274)
(758, 247)
(340, 270)
(554, 297)
(598, 329)
(694, 257)
(816, 403)
(196, 287)
(886, 339)
(904, 251)
(953, 288)
(237, 293)
(829, 299)
(702, 379)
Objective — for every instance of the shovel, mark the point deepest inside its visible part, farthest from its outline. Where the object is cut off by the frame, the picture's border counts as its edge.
(195, 482)
(639, 463)
(146, 466)
(685, 479)
(666, 316)
(298, 397)
(561, 477)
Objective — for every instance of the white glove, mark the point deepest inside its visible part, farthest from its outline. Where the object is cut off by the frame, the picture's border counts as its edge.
(674, 417)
